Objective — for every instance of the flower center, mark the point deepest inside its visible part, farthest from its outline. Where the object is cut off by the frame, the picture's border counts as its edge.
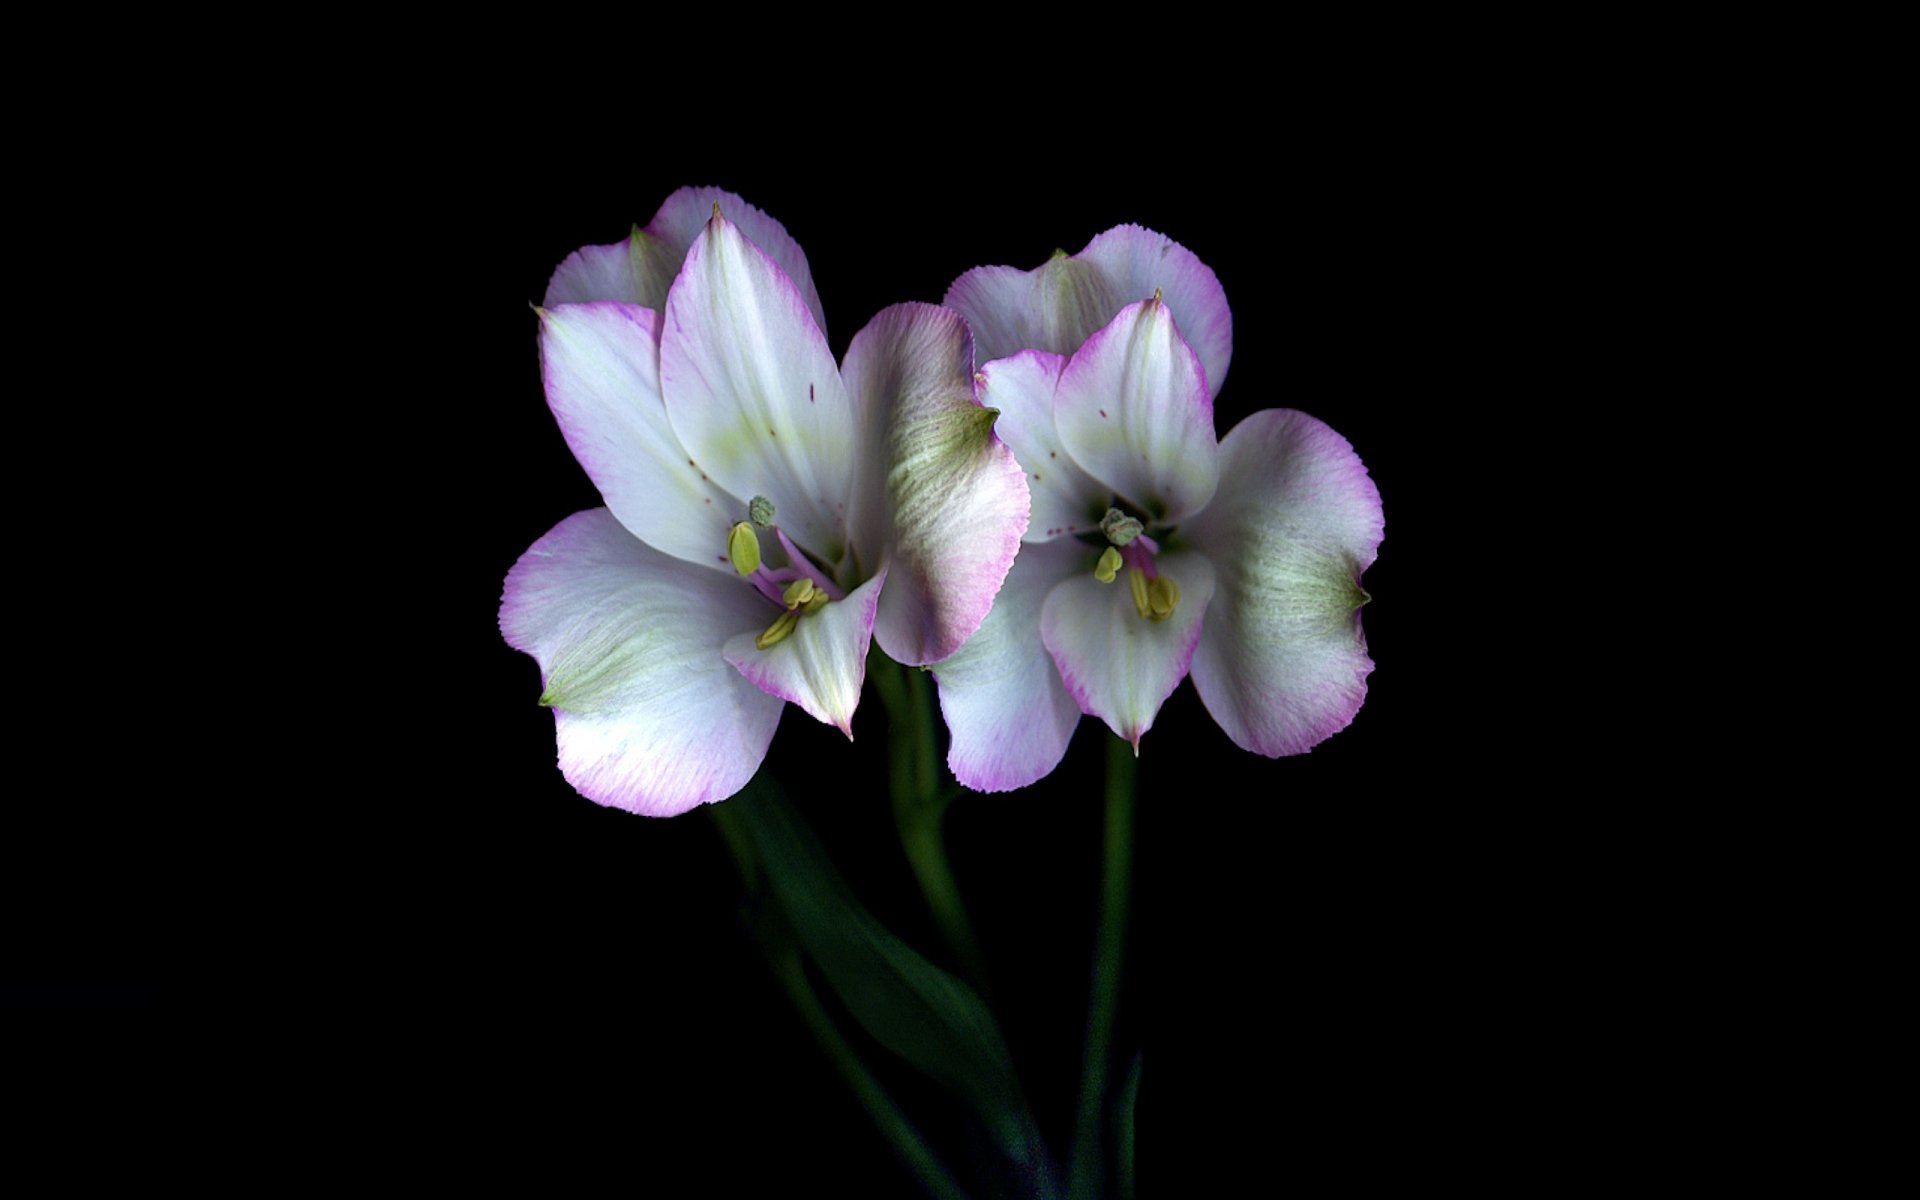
(799, 588)
(1155, 596)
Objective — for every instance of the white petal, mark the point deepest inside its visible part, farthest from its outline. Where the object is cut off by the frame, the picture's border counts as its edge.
(640, 269)
(1059, 304)
(602, 369)
(1132, 408)
(1137, 262)
(822, 663)
(1010, 716)
(1053, 307)
(650, 717)
(1066, 500)
(1118, 665)
(752, 390)
(939, 497)
(1283, 664)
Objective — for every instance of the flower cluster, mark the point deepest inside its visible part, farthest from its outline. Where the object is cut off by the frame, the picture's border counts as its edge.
(1055, 533)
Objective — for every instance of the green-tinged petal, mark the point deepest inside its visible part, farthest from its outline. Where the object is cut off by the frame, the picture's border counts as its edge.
(940, 497)
(1283, 663)
(649, 716)
(1053, 307)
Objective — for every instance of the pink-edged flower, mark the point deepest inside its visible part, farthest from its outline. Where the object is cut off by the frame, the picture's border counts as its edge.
(1154, 549)
(768, 513)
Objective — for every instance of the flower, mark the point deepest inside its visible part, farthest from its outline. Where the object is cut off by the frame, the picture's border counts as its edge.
(1154, 549)
(767, 514)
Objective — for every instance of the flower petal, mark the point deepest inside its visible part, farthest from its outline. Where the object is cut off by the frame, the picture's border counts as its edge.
(1132, 408)
(940, 497)
(1066, 499)
(820, 665)
(640, 269)
(752, 390)
(1118, 665)
(1058, 305)
(1283, 664)
(602, 368)
(649, 716)
(1136, 262)
(1054, 307)
(621, 271)
(1010, 716)
(684, 215)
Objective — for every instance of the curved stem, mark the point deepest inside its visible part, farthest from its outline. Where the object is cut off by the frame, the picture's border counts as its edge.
(920, 807)
(913, 1150)
(1116, 882)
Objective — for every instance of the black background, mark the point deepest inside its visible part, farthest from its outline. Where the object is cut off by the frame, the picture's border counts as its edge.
(1319, 943)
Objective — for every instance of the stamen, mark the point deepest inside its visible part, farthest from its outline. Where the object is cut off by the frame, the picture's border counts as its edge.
(1120, 528)
(778, 631)
(798, 592)
(743, 547)
(1137, 580)
(818, 602)
(1163, 596)
(1108, 566)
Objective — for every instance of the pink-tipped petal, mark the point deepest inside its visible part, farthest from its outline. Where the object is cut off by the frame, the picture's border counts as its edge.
(1283, 664)
(622, 272)
(820, 665)
(1116, 664)
(1054, 307)
(752, 390)
(640, 269)
(602, 368)
(1132, 408)
(649, 716)
(1135, 262)
(1066, 500)
(1010, 716)
(684, 215)
(939, 496)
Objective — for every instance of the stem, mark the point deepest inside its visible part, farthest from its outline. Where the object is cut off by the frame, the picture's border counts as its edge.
(919, 808)
(907, 1142)
(1115, 886)
(912, 1148)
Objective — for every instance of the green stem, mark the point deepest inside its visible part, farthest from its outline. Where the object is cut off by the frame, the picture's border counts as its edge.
(1116, 881)
(907, 1142)
(919, 809)
(912, 1148)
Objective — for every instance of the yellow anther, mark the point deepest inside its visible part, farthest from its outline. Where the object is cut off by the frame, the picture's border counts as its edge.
(1108, 566)
(743, 547)
(778, 631)
(814, 605)
(1163, 596)
(1137, 580)
(798, 592)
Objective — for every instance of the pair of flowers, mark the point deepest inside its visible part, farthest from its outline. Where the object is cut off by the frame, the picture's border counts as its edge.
(769, 514)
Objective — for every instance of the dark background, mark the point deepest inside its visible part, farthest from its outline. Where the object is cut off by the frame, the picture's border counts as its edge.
(1320, 944)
